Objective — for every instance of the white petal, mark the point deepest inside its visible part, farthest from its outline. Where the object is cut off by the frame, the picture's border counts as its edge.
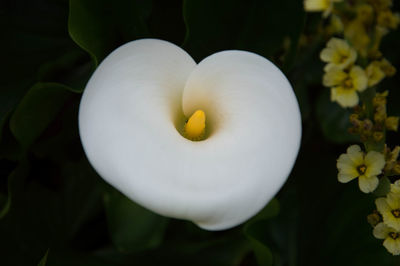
(127, 124)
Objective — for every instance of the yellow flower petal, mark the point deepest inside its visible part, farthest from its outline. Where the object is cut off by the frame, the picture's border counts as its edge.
(356, 33)
(316, 5)
(333, 77)
(344, 162)
(367, 184)
(385, 208)
(392, 221)
(393, 200)
(327, 54)
(375, 162)
(395, 188)
(344, 97)
(381, 231)
(345, 178)
(374, 73)
(356, 155)
(392, 245)
(382, 206)
(359, 78)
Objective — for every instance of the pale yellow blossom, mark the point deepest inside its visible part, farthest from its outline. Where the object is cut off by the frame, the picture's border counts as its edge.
(346, 84)
(320, 5)
(395, 188)
(391, 237)
(338, 53)
(355, 163)
(381, 4)
(387, 67)
(356, 33)
(392, 123)
(335, 26)
(365, 13)
(387, 19)
(374, 73)
(389, 208)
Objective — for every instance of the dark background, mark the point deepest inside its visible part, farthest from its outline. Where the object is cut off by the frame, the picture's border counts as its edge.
(52, 201)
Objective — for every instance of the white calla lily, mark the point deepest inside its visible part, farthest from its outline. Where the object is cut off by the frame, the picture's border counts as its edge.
(134, 108)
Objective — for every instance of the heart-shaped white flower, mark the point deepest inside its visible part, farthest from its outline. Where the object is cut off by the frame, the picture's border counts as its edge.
(133, 111)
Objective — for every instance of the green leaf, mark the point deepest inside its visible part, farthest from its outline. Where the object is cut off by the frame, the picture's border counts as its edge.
(132, 227)
(383, 187)
(14, 179)
(6, 206)
(37, 109)
(269, 211)
(185, 248)
(27, 43)
(334, 120)
(44, 259)
(220, 25)
(100, 26)
(73, 69)
(256, 231)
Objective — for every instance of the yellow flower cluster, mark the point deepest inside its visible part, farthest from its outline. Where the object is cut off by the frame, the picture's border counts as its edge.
(366, 22)
(354, 64)
(389, 228)
(363, 24)
(344, 78)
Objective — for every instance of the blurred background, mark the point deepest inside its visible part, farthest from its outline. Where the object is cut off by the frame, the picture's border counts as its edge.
(55, 210)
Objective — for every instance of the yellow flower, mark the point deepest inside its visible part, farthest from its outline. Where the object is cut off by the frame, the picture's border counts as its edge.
(379, 33)
(391, 162)
(374, 218)
(391, 236)
(355, 164)
(387, 67)
(320, 5)
(392, 123)
(381, 4)
(374, 73)
(357, 34)
(345, 85)
(338, 53)
(387, 19)
(365, 13)
(389, 208)
(395, 188)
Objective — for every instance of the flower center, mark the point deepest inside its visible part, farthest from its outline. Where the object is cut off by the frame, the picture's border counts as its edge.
(343, 58)
(394, 235)
(195, 127)
(361, 169)
(348, 83)
(396, 213)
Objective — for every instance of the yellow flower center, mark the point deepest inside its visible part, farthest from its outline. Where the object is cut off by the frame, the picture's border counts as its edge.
(343, 58)
(361, 169)
(195, 126)
(394, 235)
(348, 83)
(396, 213)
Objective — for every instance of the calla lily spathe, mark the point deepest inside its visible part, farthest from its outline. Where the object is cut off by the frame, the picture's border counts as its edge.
(132, 110)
